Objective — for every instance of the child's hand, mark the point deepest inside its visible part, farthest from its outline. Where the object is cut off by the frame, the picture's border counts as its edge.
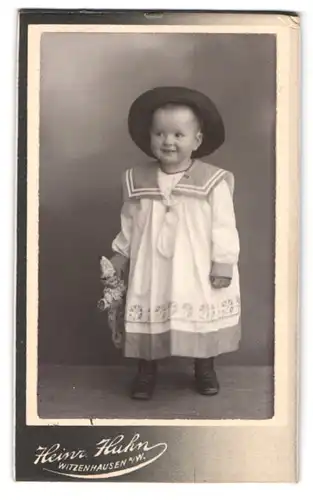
(218, 282)
(119, 263)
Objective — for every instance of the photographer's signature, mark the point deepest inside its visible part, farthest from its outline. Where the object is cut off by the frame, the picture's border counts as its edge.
(110, 457)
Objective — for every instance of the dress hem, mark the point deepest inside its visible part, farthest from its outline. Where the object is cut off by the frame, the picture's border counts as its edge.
(182, 344)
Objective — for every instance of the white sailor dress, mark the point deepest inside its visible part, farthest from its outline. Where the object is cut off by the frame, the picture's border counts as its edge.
(176, 233)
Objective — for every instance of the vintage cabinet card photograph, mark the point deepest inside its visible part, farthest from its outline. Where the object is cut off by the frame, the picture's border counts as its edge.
(157, 246)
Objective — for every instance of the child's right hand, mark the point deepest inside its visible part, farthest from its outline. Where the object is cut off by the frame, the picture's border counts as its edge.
(119, 263)
(219, 282)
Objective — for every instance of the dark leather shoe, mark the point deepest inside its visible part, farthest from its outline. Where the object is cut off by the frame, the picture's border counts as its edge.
(145, 380)
(206, 378)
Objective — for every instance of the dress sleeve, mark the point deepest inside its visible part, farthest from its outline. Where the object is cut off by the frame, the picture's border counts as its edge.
(121, 243)
(225, 238)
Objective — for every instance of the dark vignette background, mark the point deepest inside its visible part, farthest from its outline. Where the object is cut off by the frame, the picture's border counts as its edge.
(88, 82)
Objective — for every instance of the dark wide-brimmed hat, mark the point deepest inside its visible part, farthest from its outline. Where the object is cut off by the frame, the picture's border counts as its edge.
(142, 109)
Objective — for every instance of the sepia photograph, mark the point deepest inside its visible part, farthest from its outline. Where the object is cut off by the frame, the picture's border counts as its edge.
(157, 155)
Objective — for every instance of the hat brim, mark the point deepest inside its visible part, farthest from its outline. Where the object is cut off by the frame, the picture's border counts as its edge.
(142, 109)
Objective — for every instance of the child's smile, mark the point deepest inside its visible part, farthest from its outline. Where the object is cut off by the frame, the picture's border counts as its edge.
(175, 134)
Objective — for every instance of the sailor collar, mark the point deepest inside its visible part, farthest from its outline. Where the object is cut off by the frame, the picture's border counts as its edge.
(198, 180)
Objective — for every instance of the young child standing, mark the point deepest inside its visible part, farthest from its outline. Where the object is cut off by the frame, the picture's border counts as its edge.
(178, 240)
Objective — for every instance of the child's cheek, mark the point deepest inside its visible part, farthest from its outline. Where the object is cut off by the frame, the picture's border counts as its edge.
(155, 144)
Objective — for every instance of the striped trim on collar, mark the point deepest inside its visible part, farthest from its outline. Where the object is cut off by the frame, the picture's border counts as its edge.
(205, 189)
(135, 192)
(141, 182)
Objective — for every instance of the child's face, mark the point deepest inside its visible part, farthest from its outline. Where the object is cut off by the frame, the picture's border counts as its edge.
(175, 134)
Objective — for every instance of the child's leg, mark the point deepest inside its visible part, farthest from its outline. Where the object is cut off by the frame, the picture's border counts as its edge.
(205, 375)
(145, 380)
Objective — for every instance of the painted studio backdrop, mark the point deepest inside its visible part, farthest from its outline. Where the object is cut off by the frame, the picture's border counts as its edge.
(88, 82)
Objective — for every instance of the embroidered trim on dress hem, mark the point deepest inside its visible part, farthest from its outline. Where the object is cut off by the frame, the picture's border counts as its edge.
(186, 311)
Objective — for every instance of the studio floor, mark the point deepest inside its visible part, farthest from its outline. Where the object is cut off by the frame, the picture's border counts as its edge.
(102, 392)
